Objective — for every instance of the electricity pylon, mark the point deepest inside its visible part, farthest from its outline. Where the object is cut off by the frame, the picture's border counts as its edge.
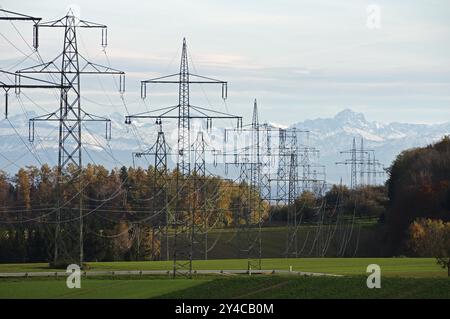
(373, 168)
(184, 112)
(159, 151)
(352, 161)
(361, 161)
(294, 156)
(254, 161)
(70, 117)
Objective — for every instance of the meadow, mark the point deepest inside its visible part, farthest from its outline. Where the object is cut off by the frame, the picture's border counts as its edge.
(401, 278)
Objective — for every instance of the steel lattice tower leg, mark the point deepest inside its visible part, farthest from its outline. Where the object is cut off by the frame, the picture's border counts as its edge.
(160, 184)
(282, 169)
(254, 233)
(354, 182)
(291, 245)
(265, 187)
(306, 168)
(361, 163)
(242, 219)
(199, 233)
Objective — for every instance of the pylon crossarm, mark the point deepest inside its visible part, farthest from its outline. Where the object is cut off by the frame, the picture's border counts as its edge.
(158, 79)
(47, 67)
(18, 16)
(95, 68)
(208, 113)
(152, 114)
(90, 24)
(86, 117)
(18, 82)
(29, 86)
(93, 118)
(165, 80)
(208, 79)
(46, 117)
(62, 23)
(53, 23)
(166, 112)
(18, 85)
(54, 117)
(152, 151)
(162, 79)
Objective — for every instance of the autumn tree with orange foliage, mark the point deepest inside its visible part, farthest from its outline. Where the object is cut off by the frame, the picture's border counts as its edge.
(428, 237)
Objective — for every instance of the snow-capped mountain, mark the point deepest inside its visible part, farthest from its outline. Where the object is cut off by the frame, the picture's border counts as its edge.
(332, 135)
(329, 135)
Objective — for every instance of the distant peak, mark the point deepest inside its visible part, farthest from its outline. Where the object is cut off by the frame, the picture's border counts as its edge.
(348, 114)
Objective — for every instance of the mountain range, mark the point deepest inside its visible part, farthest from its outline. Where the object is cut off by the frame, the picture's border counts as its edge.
(328, 135)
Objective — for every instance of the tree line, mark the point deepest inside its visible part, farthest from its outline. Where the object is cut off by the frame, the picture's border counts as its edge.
(121, 209)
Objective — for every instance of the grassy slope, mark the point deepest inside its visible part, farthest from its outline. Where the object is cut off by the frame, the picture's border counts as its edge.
(405, 267)
(237, 287)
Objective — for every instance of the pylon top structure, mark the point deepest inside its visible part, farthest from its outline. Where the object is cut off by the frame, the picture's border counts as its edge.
(160, 149)
(72, 65)
(184, 111)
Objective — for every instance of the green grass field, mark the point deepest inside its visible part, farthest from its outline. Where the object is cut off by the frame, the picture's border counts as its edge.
(401, 278)
(236, 287)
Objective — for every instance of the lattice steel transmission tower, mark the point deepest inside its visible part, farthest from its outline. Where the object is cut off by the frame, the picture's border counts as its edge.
(254, 163)
(363, 163)
(296, 173)
(184, 112)
(352, 161)
(70, 117)
(305, 155)
(373, 168)
(289, 142)
(159, 151)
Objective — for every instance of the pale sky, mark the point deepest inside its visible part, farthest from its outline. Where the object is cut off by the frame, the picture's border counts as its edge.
(300, 59)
